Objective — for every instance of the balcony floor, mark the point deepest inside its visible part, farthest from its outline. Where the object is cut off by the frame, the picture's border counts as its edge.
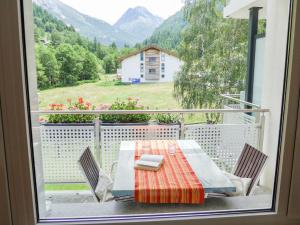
(72, 204)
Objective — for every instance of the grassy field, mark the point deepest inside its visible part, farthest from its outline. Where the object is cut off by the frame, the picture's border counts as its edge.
(154, 96)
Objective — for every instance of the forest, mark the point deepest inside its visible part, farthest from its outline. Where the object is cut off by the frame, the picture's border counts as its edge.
(65, 58)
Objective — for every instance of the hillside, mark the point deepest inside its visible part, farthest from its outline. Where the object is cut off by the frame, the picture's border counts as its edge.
(138, 21)
(167, 35)
(87, 26)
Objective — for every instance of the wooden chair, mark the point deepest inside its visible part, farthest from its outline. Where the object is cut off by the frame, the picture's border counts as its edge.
(249, 165)
(91, 171)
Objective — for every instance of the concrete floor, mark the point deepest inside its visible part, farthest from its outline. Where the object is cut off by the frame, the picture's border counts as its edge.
(70, 204)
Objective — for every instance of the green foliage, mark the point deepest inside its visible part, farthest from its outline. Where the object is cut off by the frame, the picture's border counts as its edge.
(72, 118)
(167, 118)
(130, 104)
(214, 53)
(47, 67)
(168, 34)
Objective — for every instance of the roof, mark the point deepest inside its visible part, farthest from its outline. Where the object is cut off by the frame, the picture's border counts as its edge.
(147, 48)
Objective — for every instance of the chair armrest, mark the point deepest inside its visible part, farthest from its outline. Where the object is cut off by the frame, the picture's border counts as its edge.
(112, 168)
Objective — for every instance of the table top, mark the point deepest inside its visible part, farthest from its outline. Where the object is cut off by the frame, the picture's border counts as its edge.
(212, 178)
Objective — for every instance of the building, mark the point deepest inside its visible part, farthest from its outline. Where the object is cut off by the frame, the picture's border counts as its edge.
(150, 64)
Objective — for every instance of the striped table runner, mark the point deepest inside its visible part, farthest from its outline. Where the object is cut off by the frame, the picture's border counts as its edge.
(175, 182)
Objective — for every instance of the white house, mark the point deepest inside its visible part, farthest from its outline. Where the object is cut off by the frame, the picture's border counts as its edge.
(150, 64)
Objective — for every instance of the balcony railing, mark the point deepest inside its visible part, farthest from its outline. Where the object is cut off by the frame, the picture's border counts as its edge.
(61, 145)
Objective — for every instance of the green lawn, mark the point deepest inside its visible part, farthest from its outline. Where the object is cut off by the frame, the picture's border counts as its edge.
(154, 96)
(66, 187)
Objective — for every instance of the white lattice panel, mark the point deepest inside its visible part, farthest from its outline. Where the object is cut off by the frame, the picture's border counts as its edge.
(222, 142)
(111, 137)
(61, 149)
(237, 118)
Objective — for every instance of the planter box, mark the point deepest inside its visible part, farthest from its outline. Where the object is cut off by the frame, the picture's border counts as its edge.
(62, 145)
(123, 124)
(111, 137)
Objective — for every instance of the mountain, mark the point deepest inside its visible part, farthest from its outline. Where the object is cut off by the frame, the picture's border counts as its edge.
(138, 21)
(168, 34)
(87, 26)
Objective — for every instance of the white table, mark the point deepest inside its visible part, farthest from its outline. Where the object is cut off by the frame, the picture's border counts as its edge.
(212, 178)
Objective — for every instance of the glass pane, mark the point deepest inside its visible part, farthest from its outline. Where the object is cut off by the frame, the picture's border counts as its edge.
(159, 108)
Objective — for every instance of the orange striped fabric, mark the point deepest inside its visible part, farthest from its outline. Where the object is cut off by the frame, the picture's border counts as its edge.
(174, 182)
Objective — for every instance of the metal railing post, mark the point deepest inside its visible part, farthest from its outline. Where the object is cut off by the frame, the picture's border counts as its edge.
(97, 140)
(261, 131)
(182, 127)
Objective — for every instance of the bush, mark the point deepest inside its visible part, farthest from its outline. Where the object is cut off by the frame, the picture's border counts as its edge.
(130, 104)
(167, 118)
(80, 104)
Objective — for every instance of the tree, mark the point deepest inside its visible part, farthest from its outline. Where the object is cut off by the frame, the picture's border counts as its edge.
(90, 68)
(56, 38)
(214, 53)
(50, 65)
(42, 80)
(70, 66)
(113, 45)
(109, 64)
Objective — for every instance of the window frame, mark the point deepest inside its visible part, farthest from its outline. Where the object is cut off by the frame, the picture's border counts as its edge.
(17, 133)
(163, 67)
(142, 56)
(142, 67)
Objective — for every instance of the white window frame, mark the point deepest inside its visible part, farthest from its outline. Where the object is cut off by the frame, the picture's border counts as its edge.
(17, 133)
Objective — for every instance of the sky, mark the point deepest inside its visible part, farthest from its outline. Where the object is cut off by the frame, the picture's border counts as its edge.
(111, 10)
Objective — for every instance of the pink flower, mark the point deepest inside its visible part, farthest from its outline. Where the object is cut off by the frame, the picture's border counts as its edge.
(103, 107)
(69, 100)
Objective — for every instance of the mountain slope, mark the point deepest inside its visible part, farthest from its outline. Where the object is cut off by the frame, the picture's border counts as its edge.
(87, 26)
(168, 34)
(138, 21)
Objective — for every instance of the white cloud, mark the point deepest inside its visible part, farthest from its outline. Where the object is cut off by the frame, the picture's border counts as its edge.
(111, 10)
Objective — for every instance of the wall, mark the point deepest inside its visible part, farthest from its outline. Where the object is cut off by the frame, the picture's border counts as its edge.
(275, 55)
(131, 69)
(172, 66)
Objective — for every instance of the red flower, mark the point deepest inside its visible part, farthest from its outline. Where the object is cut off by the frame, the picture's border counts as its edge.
(80, 100)
(69, 100)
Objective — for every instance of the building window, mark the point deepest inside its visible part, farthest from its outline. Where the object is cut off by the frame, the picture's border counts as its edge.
(162, 76)
(163, 67)
(163, 57)
(142, 67)
(152, 59)
(142, 56)
(152, 71)
(142, 75)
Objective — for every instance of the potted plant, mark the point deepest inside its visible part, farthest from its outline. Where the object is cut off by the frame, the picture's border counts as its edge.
(70, 119)
(124, 119)
(167, 119)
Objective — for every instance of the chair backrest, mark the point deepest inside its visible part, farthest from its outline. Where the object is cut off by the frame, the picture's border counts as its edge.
(250, 164)
(90, 169)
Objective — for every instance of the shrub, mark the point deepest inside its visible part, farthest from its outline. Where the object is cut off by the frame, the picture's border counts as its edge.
(130, 104)
(167, 118)
(80, 104)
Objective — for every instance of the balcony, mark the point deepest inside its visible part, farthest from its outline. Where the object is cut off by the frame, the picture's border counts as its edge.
(239, 122)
